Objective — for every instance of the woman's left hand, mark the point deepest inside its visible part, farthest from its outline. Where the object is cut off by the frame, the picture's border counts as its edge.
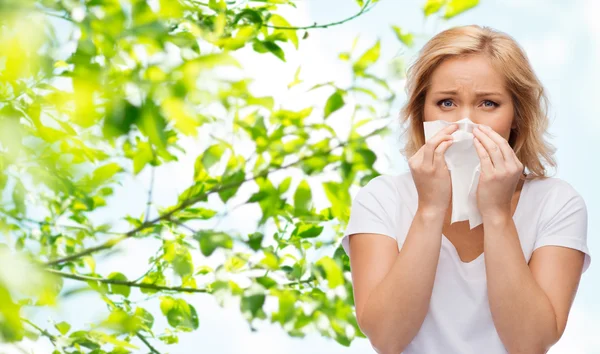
(500, 172)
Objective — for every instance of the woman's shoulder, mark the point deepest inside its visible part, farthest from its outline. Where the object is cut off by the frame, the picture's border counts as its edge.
(552, 192)
(400, 186)
(548, 186)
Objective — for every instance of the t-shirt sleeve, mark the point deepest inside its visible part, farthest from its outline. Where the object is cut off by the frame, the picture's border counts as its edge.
(372, 211)
(565, 221)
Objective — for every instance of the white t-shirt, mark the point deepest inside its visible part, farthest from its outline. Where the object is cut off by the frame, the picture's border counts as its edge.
(459, 320)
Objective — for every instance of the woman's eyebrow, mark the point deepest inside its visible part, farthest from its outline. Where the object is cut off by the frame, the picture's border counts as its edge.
(477, 93)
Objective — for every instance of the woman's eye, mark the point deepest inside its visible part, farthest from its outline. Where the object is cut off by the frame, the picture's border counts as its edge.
(492, 103)
(443, 103)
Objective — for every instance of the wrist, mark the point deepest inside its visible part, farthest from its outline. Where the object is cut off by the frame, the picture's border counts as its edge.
(431, 214)
(496, 218)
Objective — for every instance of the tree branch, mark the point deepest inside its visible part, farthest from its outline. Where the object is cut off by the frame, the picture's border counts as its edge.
(192, 201)
(143, 339)
(41, 330)
(363, 10)
(126, 283)
(134, 284)
(46, 223)
(149, 203)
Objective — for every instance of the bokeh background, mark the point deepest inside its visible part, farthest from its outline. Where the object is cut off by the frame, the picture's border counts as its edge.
(562, 41)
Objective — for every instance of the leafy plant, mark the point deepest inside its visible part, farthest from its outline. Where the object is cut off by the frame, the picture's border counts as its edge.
(143, 79)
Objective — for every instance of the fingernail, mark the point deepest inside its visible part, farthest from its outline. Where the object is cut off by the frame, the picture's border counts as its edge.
(487, 128)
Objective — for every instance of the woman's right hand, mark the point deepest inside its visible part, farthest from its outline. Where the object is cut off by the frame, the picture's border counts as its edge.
(430, 173)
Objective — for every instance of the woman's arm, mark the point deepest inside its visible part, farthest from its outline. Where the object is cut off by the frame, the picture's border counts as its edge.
(392, 290)
(529, 306)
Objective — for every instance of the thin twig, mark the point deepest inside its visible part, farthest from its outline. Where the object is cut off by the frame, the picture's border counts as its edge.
(156, 259)
(192, 201)
(363, 10)
(149, 203)
(133, 284)
(143, 339)
(46, 223)
(126, 283)
(42, 331)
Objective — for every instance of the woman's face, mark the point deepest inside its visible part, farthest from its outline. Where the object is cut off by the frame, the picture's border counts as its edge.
(470, 87)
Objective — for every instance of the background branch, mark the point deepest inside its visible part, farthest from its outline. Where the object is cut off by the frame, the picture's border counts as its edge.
(191, 201)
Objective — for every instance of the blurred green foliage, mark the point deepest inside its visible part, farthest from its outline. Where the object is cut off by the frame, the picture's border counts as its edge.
(139, 78)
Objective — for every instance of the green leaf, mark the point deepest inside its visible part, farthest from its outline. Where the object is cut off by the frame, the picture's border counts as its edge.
(456, 7)
(169, 339)
(266, 282)
(252, 304)
(367, 59)
(404, 37)
(334, 102)
(338, 195)
(271, 260)
(333, 272)
(84, 338)
(255, 240)
(290, 34)
(142, 157)
(18, 197)
(296, 79)
(284, 185)
(251, 15)
(266, 102)
(104, 173)
(153, 125)
(217, 5)
(233, 181)
(211, 240)
(119, 289)
(11, 327)
(287, 302)
(121, 115)
(179, 112)
(196, 213)
(179, 257)
(302, 198)
(170, 9)
(155, 278)
(433, 6)
(269, 46)
(180, 314)
(211, 61)
(367, 157)
(308, 230)
(212, 155)
(145, 318)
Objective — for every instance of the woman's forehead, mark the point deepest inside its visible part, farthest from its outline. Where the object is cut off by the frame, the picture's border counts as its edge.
(472, 72)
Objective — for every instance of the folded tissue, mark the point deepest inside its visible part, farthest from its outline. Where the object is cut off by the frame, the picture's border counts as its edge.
(463, 162)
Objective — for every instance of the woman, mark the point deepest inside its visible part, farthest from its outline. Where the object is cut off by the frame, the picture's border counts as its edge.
(507, 285)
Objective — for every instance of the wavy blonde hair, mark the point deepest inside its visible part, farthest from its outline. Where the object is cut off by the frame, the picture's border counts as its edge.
(529, 98)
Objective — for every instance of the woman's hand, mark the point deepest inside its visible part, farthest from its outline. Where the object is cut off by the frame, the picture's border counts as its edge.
(500, 172)
(430, 173)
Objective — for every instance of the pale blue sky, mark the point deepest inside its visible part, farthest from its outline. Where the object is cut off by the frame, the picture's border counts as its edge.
(562, 40)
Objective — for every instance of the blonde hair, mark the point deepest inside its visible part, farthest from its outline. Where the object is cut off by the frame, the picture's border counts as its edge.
(529, 99)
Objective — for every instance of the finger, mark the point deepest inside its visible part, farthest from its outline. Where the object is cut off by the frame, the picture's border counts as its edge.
(438, 158)
(507, 151)
(492, 149)
(438, 138)
(486, 164)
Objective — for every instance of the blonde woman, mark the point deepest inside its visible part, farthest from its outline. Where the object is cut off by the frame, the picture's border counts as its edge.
(424, 285)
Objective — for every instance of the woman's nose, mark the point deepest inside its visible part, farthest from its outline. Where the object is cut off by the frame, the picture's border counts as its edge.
(467, 113)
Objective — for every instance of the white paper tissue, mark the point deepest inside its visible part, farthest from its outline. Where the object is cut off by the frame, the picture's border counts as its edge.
(463, 162)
